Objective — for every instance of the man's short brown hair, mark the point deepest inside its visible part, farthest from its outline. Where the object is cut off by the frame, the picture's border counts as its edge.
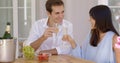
(51, 3)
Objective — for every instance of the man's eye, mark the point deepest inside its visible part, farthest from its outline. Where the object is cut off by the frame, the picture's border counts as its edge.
(57, 13)
(62, 11)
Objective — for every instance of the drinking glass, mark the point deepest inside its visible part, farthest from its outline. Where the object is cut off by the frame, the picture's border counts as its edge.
(56, 33)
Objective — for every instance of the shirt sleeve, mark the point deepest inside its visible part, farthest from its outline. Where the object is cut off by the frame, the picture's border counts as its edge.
(33, 35)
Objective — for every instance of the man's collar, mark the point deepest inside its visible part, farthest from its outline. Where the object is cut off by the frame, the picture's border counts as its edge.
(46, 21)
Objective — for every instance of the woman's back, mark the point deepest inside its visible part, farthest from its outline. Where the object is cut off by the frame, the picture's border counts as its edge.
(103, 53)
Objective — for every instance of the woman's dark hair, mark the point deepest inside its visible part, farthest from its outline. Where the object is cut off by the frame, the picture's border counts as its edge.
(103, 22)
(51, 3)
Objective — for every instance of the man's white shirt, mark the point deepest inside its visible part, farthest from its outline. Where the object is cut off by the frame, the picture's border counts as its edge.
(61, 46)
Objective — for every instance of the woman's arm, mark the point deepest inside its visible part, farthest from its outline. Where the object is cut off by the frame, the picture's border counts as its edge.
(116, 49)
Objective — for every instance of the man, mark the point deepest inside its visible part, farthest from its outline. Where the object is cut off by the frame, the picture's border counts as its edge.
(43, 36)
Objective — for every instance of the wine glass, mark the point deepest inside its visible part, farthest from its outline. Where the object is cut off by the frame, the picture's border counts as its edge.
(64, 30)
(56, 33)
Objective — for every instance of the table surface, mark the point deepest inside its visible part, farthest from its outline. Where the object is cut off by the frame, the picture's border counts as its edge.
(55, 59)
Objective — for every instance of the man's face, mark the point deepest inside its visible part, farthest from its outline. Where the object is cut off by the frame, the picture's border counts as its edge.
(57, 14)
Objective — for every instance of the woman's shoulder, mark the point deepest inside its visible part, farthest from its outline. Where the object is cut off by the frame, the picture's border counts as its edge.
(113, 35)
(110, 32)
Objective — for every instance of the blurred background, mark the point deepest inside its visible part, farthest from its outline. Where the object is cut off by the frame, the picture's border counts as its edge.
(22, 13)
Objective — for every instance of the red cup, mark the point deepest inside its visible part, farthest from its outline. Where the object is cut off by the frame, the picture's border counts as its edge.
(43, 57)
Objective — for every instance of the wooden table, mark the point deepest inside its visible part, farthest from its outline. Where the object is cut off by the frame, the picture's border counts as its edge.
(55, 59)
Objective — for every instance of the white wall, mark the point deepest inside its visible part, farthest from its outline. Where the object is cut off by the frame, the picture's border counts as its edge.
(77, 11)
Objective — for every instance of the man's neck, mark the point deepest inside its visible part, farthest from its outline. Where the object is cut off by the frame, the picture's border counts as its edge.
(50, 23)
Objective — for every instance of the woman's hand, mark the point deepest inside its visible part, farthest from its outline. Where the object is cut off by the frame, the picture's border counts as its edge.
(68, 38)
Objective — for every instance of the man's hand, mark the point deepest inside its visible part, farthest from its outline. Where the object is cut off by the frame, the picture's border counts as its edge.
(51, 51)
(49, 31)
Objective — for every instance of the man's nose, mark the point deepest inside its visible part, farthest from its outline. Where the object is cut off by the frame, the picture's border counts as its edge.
(61, 15)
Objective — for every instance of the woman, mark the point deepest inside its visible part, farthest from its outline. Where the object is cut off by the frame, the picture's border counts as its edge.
(99, 45)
